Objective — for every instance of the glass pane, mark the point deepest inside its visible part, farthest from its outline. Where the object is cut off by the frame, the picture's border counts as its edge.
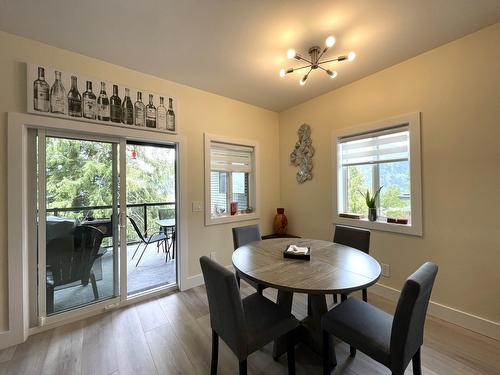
(151, 227)
(218, 188)
(80, 223)
(359, 179)
(240, 190)
(395, 195)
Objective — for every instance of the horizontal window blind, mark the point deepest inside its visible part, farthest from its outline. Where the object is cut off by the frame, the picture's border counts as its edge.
(388, 145)
(231, 158)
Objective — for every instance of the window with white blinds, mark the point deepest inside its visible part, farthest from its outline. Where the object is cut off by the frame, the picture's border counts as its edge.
(384, 146)
(230, 183)
(384, 157)
(230, 158)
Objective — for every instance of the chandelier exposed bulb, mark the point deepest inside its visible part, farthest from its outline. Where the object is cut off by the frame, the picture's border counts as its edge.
(303, 80)
(351, 56)
(291, 53)
(330, 41)
(282, 73)
(331, 74)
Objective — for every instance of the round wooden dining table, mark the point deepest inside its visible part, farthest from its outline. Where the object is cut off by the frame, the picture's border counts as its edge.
(332, 269)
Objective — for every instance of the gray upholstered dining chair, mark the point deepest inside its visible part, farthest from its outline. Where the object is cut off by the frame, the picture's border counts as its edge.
(247, 324)
(354, 237)
(242, 236)
(390, 340)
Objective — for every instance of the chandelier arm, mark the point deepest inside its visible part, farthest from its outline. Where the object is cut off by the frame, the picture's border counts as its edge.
(331, 60)
(322, 53)
(298, 57)
(302, 67)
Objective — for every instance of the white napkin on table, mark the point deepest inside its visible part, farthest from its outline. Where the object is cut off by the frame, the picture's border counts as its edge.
(294, 249)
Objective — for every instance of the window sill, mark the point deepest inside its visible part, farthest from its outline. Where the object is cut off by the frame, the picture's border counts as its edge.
(410, 229)
(209, 220)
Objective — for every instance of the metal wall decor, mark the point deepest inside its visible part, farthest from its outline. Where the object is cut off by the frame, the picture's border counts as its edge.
(302, 154)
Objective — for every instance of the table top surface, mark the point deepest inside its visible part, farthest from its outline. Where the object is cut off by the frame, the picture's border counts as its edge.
(166, 222)
(333, 268)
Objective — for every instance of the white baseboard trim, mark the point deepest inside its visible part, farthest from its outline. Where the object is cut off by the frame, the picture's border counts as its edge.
(7, 339)
(193, 282)
(197, 280)
(449, 314)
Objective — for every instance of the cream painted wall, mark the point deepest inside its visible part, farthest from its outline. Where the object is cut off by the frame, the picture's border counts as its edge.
(456, 87)
(198, 112)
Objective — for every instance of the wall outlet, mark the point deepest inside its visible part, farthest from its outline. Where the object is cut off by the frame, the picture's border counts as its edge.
(212, 256)
(386, 270)
(197, 206)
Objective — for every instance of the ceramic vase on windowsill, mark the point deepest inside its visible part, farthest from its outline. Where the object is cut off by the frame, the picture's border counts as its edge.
(280, 221)
(372, 214)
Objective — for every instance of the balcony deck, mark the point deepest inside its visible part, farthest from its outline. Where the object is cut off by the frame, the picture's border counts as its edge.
(151, 272)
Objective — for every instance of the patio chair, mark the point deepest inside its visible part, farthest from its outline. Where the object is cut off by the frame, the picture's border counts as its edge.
(158, 237)
(71, 261)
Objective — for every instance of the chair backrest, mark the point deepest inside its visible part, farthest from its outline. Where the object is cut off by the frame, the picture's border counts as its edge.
(353, 237)
(136, 228)
(226, 309)
(72, 263)
(166, 213)
(246, 234)
(409, 319)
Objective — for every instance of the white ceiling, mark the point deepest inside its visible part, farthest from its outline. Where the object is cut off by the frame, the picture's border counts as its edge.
(236, 48)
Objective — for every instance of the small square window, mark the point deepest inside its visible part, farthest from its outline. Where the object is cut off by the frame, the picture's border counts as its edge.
(231, 187)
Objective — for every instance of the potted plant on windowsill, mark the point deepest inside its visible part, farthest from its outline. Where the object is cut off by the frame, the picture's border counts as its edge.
(371, 203)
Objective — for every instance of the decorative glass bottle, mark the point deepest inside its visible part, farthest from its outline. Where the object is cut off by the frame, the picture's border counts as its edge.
(170, 115)
(58, 102)
(89, 103)
(41, 92)
(115, 106)
(127, 109)
(140, 111)
(74, 99)
(150, 113)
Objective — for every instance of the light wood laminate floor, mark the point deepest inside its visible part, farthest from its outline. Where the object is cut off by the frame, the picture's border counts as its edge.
(171, 335)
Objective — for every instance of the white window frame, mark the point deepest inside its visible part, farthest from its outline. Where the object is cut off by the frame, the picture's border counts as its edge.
(412, 120)
(253, 181)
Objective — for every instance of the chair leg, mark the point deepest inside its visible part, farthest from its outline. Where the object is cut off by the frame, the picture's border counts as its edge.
(137, 248)
(143, 251)
(329, 357)
(365, 295)
(352, 351)
(238, 280)
(335, 299)
(243, 367)
(94, 285)
(343, 297)
(215, 353)
(416, 362)
(290, 354)
(260, 289)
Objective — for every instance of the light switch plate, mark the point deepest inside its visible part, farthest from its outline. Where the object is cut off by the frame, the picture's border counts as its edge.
(386, 270)
(197, 206)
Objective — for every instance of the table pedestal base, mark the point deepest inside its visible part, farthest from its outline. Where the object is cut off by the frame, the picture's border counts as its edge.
(309, 332)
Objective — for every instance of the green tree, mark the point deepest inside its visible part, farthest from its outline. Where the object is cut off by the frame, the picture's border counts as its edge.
(392, 204)
(356, 182)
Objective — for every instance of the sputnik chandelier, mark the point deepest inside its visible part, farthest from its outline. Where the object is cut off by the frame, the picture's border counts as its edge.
(313, 63)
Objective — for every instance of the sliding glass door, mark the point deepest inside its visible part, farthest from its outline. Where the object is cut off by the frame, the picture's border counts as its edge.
(107, 221)
(78, 231)
(152, 216)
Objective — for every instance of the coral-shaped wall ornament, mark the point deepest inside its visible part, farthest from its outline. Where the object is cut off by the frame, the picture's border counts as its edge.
(302, 154)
